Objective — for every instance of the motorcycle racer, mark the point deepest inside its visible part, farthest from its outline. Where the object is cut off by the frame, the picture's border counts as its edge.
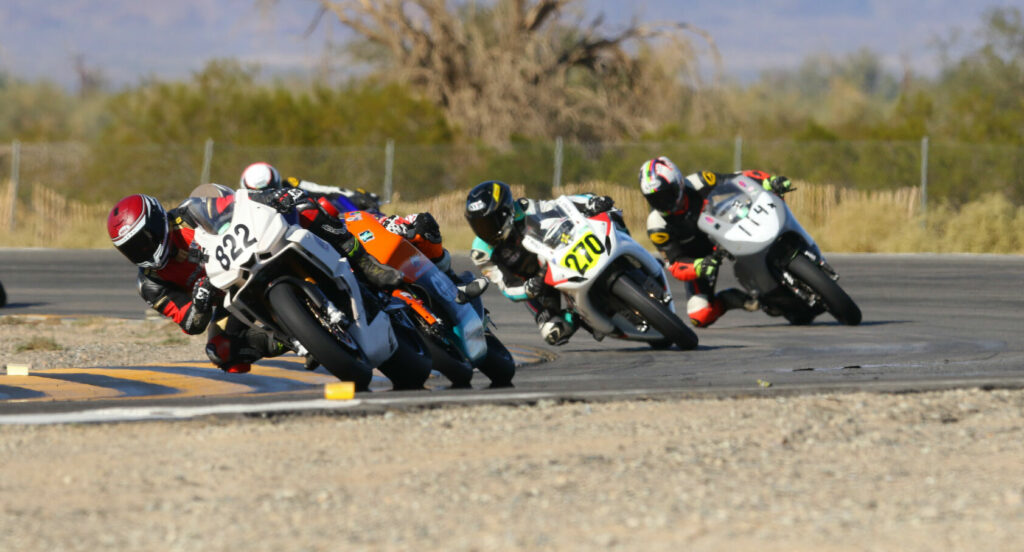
(259, 176)
(676, 202)
(172, 281)
(498, 221)
(421, 229)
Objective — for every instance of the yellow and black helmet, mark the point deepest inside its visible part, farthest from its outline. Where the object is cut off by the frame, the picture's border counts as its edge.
(491, 210)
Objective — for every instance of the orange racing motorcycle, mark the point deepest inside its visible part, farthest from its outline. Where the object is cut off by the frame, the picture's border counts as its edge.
(454, 330)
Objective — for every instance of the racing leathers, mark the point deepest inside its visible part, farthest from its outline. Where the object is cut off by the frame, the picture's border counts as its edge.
(519, 273)
(178, 291)
(421, 229)
(360, 198)
(690, 253)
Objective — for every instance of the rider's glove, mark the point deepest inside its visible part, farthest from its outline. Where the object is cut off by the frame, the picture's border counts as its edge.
(534, 286)
(682, 271)
(778, 184)
(425, 226)
(597, 204)
(705, 267)
(203, 294)
(281, 199)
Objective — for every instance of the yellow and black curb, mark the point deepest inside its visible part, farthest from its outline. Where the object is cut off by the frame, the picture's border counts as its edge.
(184, 379)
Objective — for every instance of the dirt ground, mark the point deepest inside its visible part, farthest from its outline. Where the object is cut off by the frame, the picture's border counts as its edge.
(928, 471)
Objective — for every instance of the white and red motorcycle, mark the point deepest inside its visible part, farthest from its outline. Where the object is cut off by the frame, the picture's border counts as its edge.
(776, 260)
(615, 286)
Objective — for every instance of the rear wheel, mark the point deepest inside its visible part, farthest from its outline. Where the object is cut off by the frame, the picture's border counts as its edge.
(837, 302)
(290, 307)
(654, 312)
(3, 296)
(410, 366)
(498, 364)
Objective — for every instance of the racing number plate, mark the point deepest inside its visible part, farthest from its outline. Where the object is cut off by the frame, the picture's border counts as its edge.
(233, 244)
(583, 254)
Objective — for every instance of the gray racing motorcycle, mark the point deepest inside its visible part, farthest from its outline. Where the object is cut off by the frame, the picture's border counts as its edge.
(775, 259)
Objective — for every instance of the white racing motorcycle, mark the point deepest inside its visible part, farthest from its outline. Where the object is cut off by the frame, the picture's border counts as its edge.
(283, 279)
(776, 260)
(615, 286)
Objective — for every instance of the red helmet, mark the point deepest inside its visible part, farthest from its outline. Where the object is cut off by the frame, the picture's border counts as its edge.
(259, 176)
(138, 227)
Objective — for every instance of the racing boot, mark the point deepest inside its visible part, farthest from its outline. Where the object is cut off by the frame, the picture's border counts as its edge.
(468, 290)
(375, 272)
(556, 328)
(702, 312)
(334, 232)
(733, 298)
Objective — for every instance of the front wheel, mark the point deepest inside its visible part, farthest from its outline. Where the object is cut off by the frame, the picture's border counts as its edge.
(654, 312)
(498, 365)
(838, 303)
(293, 312)
(3, 296)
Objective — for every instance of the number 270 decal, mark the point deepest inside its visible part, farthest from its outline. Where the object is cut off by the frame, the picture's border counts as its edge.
(583, 254)
(229, 249)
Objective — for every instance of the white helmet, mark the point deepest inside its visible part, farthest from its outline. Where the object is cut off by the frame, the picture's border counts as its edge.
(259, 176)
(661, 183)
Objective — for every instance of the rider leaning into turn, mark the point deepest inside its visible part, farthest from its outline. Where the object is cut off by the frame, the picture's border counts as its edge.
(420, 228)
(173, 282)
(676, 202)
(498, 221)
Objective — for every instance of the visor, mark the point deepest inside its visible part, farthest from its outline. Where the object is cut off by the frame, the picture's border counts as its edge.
(664, 199)
(487, 229)
(147, 246)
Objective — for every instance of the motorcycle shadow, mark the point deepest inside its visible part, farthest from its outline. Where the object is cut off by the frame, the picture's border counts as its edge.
(772, 323)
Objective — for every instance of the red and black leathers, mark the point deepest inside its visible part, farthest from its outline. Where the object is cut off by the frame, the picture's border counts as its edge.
(168, 290)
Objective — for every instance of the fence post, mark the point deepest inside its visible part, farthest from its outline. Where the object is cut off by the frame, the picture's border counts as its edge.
(737, 154)
(556, 179)
(924, 180)
(204, 177)
(389, 167)
(15, 175)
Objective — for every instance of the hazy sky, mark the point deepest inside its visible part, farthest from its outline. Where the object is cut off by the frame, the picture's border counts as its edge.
(128, 39)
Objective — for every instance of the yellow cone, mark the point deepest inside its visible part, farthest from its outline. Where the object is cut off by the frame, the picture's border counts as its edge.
(340, 391)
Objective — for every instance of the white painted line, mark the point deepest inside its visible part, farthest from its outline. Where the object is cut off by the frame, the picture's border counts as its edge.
(138, 413)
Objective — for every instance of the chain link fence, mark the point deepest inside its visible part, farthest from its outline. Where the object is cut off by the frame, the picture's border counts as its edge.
(102, 174)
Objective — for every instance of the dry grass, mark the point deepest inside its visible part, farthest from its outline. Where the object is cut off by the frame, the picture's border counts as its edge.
(51, 220)
(840, 219)
(38, 343)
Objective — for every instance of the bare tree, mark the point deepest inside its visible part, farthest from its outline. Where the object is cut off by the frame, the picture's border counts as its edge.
(520, 67)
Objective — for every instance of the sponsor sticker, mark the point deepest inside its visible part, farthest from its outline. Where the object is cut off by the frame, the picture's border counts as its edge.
(659, 237)
(709, 177)
(476, 205)
(366, 236)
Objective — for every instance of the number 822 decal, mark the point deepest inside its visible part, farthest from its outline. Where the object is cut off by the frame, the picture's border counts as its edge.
(229, 249)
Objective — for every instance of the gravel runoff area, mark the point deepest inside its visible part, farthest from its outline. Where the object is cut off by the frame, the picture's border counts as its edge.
(859, 471)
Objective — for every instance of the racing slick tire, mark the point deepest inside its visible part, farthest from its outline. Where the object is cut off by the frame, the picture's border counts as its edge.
(290, 308)
(410, 365)
(837, 302)
(654, 312)
(498, 365)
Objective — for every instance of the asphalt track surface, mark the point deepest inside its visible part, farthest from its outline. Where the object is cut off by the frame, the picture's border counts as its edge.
(930, 322)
